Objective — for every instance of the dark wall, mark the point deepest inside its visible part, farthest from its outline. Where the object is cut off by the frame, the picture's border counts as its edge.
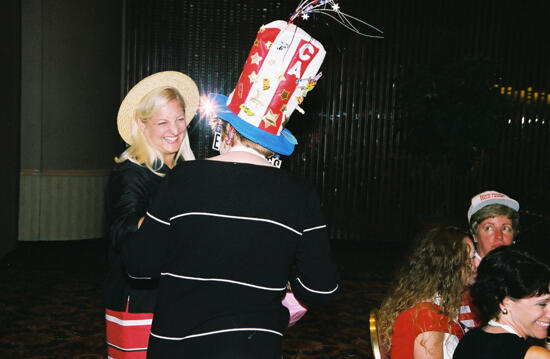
(351, 140)
(10, 35)
(71, 84)
(70, 93)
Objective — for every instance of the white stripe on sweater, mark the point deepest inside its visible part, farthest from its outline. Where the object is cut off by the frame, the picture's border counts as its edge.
(314, 228)
(222, 280)
(237, 217)
(157, 219)
(317, 291)
(217, 332)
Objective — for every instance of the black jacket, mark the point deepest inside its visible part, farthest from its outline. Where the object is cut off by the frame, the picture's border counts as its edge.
(129, 193)
(223, 238)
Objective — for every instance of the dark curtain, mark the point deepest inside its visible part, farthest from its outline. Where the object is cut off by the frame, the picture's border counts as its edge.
(356, 142)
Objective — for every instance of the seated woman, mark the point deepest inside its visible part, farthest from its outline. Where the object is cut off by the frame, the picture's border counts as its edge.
(512, 293)
(493, 219)
(416, 318)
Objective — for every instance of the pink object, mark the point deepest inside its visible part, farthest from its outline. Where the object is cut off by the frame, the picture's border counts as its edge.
(296, 309)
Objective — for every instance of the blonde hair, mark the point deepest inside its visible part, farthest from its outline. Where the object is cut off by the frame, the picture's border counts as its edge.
(141, 151)
(438, 267)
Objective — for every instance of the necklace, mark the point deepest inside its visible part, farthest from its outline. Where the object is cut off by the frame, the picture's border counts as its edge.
(508, 328)
(246, 149)
(478, 256)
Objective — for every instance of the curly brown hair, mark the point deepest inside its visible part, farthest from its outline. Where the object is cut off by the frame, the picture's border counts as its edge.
(439, 265)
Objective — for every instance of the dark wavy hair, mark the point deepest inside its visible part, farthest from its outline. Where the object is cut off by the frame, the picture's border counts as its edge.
(507, 272)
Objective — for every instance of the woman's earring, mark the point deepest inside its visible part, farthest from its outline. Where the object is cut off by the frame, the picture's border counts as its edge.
(504, 311)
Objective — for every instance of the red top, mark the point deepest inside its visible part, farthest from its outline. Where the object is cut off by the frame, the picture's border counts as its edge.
(468, 317)
(423, 317)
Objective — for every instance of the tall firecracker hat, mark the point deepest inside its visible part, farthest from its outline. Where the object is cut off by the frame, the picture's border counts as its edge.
(281, 68)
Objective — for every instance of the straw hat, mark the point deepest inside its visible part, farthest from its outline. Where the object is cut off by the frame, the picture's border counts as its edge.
(183, 83)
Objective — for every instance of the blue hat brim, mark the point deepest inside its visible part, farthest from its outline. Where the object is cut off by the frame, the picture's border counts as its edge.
(282, 144)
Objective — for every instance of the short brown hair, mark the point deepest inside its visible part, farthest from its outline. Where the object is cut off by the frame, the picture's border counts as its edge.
(245, 141)
(494, 210)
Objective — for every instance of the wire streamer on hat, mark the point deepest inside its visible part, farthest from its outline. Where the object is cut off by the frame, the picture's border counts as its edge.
(331, 9)
(282, 67)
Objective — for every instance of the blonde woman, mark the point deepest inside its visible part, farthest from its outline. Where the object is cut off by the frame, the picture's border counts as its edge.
(417, 318)
(153, 121)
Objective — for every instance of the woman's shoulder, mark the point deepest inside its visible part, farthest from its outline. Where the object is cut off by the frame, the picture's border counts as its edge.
(423, 308)
(127, 166)
(127, 172)
(428, 317)
(537, 352)
(419, 310)
(212, 174)
(479, 343)
(233, 169)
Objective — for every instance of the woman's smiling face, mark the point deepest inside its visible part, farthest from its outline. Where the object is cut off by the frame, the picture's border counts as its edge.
(530, 316)
(166, 129)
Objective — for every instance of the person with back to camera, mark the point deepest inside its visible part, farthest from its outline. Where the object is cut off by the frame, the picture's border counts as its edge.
(493, 218)
(417, 319)
(512, 293)
(223, 234)
(152, 120)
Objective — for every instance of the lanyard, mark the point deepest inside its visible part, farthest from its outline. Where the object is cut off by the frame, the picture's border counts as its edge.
(508, 328)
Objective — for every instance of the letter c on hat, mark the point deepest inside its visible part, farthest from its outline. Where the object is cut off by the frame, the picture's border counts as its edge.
(302, 52)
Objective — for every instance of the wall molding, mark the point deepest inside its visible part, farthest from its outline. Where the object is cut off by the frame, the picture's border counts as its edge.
(56, 205)
(67, 173)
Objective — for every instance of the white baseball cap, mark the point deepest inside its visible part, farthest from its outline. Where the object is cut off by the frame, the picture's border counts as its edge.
(486, 198)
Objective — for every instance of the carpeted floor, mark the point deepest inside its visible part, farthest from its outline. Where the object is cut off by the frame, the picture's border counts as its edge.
(51, 304)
